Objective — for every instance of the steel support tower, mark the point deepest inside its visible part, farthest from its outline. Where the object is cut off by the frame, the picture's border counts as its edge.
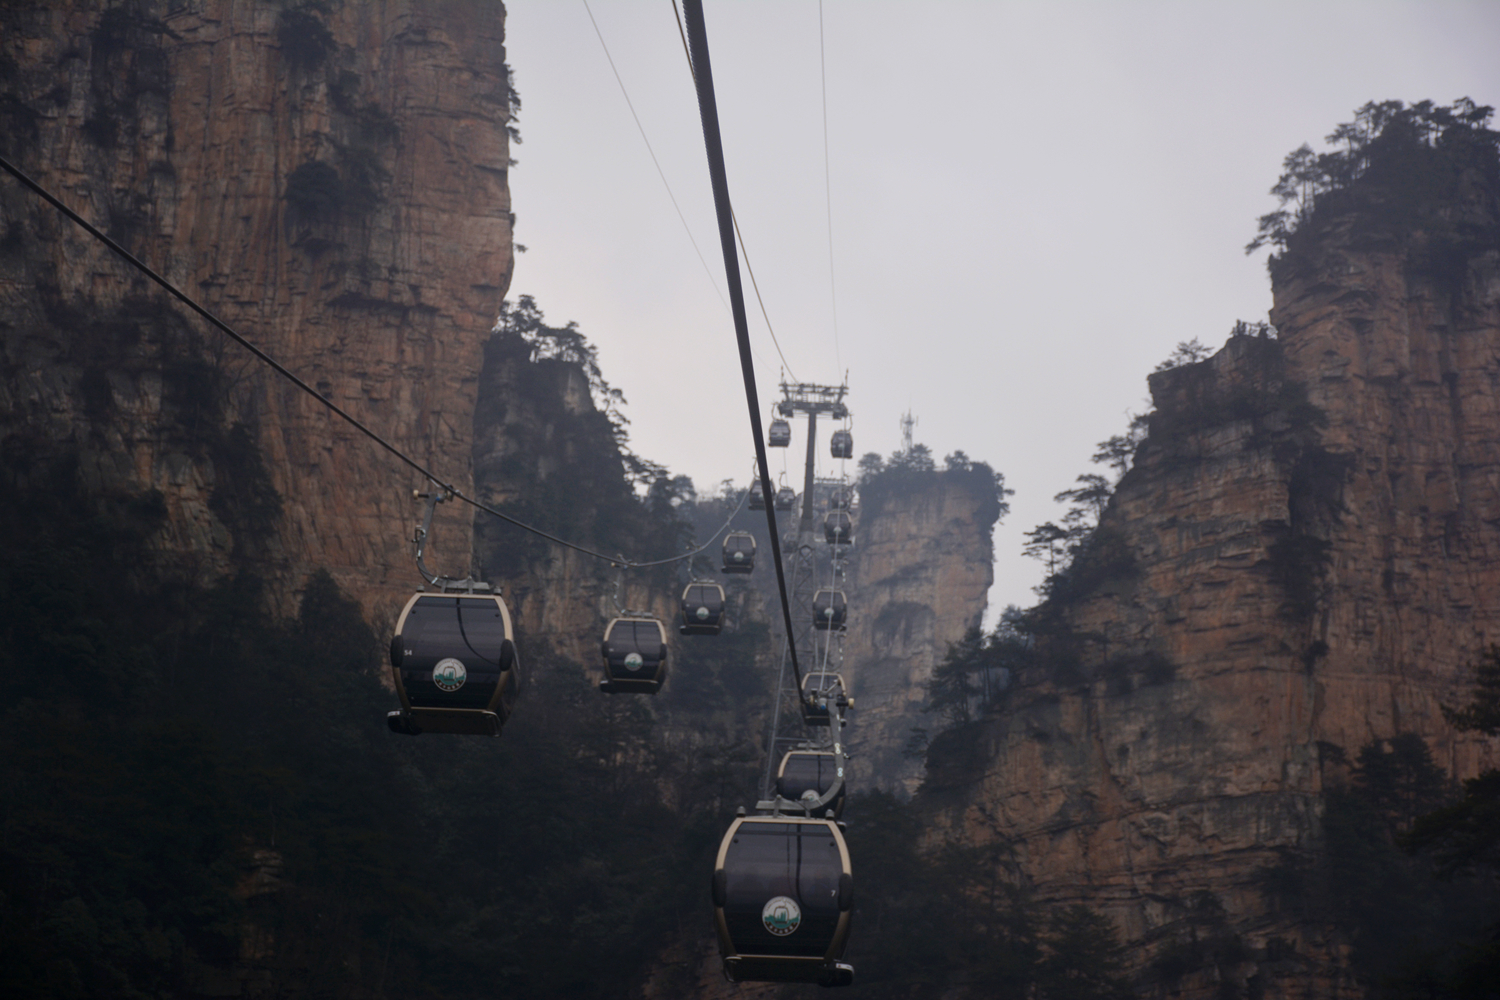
(801, 557)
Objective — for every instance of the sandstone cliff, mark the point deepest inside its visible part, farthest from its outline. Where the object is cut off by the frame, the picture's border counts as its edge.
(548, 450)
(330, 179)
(918, 579)
(545, 453)
(1302, 559)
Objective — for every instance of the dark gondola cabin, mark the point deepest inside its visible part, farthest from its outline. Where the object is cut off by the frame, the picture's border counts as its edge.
(838, 527)
(454, 661)
(842, 444)
(806, 776)
(780, 434)
(782, 892)
(635, 656)
(739, 552)
(757, 496)
(702, 609)
(786, 498)
(830, 609)
(822, 692)
(839, 499)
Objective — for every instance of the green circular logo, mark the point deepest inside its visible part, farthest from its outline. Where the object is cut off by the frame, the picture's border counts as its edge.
(703, 614)
(781, 915)
(633, 662)
(449, 674)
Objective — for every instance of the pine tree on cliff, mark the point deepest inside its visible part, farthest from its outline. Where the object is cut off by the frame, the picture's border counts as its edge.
(1045, 542)
(1402, 168)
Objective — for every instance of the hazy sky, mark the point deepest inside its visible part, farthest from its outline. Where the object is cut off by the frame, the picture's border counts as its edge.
(1032, 203)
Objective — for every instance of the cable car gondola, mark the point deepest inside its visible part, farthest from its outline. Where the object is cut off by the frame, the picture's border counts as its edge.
(838, 527)
(702, 609)
(780, 434)
(839, 499)
(739, 552)
(808, 775)
(842, 444)
(782, 892)
(786, 498)
(757, 496)
(822, 692)
(635, 655)
(454, 662)
(830, 609)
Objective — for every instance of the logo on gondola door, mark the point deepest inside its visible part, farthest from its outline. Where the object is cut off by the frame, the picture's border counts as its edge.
(703, 614)
(633, 662)
(449, 674)
(781, 915)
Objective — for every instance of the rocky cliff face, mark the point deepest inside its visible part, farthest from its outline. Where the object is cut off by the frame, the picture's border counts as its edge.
(1303, 558)
(329, 179)
(918, 579)
(546, 454)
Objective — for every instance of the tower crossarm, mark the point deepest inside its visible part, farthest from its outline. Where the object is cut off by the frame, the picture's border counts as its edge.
(806, 397)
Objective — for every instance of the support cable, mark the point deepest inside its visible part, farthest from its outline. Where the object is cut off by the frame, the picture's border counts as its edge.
(349, 418)
(741, 236)
(828, 190)
(708, 109)
(659, 172)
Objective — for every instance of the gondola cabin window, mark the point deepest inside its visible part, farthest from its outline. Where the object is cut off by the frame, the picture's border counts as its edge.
(810, 774)
(635, 656)
(455, 665)
(628, 638)
(702, 609)
(461, 626)
(782, 889)
(739, 552)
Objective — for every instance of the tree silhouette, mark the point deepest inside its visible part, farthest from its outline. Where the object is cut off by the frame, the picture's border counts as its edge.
(1413, 154)
(1465, 837)
(1187, 352)
(1090, 496)
(1082, 958)
(1118, 452)
(1045, 542)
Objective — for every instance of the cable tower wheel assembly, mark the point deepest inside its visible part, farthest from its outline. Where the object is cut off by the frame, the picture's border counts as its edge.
(811, 603)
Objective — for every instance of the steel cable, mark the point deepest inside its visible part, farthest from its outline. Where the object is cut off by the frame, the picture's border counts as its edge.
(714, 146)
(292, 377)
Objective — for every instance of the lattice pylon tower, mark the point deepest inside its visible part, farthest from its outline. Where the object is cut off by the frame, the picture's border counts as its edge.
(802, 567)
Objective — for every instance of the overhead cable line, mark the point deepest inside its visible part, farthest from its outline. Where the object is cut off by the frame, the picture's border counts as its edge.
(659, 172)
(828, 190)
(741, 236)
(290, 376)
(703, 79)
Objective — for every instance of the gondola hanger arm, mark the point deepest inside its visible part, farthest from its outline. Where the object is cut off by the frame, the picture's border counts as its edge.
(441, 494)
